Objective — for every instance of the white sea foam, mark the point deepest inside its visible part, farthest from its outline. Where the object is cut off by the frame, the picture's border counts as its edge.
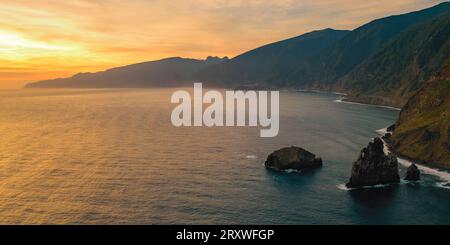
(251, 157)
(442, 185)
(292, 171)
(443, 175)
(345, 188)
(288, 171)
(382, 131)
(341, 100)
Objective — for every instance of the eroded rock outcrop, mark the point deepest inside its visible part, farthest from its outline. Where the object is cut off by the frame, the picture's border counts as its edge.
(292, 158)
(373, 167)
(412, 173)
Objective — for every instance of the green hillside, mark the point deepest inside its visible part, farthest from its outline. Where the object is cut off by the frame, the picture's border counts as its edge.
(423, 130)
(403, 66)
(273, 63)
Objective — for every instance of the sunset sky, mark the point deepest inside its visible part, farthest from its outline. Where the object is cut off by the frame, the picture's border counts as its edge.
(43, 39)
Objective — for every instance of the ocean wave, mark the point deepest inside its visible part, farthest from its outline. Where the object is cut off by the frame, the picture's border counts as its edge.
(443, 185)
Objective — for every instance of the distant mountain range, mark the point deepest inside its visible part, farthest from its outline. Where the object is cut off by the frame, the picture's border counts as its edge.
(173, 71)
(382, 62)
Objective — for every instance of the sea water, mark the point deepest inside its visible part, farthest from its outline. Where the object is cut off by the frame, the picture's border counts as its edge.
(113, 157)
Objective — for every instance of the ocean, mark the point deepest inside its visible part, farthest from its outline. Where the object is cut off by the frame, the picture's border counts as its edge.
(112, 156)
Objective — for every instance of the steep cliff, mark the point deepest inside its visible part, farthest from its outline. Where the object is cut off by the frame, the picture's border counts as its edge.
(422, 132)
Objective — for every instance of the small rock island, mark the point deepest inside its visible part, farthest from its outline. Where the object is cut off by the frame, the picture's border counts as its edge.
(294, 158)
(373, 167)
(412, 173)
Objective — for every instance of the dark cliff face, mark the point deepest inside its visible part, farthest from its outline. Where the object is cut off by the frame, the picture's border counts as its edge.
(373, 167)
(422, 132)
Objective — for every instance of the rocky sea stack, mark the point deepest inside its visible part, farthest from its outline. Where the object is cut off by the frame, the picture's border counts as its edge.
(412, 173)
(373, 167)
(292, 158)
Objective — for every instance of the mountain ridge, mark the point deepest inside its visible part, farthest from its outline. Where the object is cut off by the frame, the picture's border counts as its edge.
(328, 59)
(172, 71)
(263, 64)
(403, 65)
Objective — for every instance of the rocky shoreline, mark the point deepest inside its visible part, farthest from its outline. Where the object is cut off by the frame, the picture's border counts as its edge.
(381, 167)
(388, 142)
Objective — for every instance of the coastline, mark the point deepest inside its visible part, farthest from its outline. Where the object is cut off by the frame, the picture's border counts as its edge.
(432, 169)
(442, 172)
(345, 98)
(374, 101)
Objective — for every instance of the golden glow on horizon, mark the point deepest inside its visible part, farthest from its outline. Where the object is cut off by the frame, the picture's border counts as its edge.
(13, 42)
(45, 39)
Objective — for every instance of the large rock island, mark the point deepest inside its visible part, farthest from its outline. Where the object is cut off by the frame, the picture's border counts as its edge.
(373, 167)
(292, 157)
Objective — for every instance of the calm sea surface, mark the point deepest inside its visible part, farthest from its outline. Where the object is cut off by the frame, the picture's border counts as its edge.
(113, 157)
